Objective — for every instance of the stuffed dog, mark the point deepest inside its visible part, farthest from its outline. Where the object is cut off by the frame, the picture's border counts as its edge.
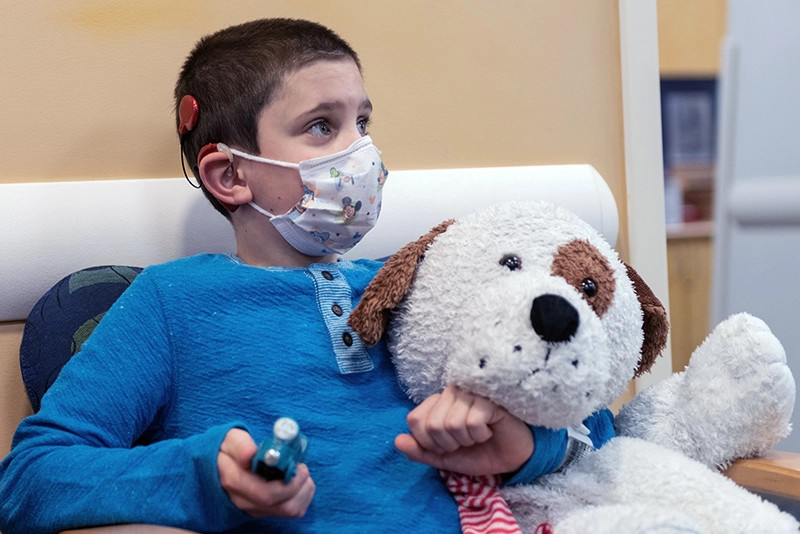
(527, 305)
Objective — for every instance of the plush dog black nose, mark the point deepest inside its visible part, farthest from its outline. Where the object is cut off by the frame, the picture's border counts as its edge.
(553, 318)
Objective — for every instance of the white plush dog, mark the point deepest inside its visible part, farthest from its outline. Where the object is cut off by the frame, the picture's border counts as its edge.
(527, 305)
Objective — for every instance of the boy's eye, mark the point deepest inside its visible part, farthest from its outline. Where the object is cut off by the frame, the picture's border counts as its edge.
(320, 128)
(362, 126)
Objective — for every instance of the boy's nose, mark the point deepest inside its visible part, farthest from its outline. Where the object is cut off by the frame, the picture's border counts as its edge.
(347, 138)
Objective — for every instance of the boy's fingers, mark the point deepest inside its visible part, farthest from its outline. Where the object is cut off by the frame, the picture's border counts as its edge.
(440, 422)
(409, 446)
(444, 423)
(457, 415)
(239, 446)
(278, 491)
(418, 422)
(468, 460)
(251, 493)
(482, 414)
(301, 490)
(233, 459)
(261, 498)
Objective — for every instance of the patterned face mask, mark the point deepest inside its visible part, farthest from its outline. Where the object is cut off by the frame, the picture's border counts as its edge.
(341, 203)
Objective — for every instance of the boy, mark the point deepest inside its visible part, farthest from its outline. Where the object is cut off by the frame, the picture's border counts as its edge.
(156, 420)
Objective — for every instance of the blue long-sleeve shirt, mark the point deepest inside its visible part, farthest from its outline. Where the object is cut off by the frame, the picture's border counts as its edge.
(131, 429)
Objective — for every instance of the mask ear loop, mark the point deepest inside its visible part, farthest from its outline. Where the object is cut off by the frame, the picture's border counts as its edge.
(188, 113)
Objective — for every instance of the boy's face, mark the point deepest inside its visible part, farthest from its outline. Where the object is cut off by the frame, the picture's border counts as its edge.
(320, 109)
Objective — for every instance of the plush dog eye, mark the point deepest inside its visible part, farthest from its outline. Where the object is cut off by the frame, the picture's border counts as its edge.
(512, 262)
(589, 287)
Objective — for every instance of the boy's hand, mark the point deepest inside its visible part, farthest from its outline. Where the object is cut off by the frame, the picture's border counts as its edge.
(461, 432)
(251, 493)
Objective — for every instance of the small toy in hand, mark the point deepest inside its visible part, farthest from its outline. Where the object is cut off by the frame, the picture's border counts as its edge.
(278, 456)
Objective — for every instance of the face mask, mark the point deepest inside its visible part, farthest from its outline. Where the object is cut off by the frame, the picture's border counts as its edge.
(342, 199)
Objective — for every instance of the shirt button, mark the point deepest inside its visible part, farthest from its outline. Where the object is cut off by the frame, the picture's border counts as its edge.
(347, 338)
(337, 310)
(327, 275)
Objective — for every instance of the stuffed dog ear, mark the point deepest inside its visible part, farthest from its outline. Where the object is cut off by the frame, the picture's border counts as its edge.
(371, 316)
(655, 325)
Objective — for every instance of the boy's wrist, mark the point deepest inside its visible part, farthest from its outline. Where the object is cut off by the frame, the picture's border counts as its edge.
(548, 452)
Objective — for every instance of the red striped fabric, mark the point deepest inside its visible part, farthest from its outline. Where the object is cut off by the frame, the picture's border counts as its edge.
(481, 507)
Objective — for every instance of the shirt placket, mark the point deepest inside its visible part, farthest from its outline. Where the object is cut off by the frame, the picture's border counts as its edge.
(334, 298)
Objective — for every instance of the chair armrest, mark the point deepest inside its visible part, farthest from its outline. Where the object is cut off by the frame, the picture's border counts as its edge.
(775, 473)
(129, 529)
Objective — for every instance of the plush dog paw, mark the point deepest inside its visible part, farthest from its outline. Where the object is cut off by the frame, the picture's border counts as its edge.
(734, 399)
(630, 519)
(742, 390)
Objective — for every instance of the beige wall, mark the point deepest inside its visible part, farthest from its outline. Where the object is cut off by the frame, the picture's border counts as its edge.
(690, 34)
(86, 85)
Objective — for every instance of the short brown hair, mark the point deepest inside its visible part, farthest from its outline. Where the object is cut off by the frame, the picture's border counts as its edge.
(234, 73)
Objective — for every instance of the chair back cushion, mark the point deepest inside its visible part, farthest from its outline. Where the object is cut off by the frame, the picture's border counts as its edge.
(63, 319)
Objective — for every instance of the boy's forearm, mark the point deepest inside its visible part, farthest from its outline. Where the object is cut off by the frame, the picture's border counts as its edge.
(73, 463)
(47, 484)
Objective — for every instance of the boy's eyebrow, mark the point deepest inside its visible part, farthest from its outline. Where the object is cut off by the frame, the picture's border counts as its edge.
(365, 105)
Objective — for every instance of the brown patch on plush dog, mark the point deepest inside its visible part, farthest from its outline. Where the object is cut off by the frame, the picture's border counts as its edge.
(370, 318)
(579, 261)
(581, 265)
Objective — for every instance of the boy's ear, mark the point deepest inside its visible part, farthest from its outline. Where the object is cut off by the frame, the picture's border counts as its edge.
(220, 178)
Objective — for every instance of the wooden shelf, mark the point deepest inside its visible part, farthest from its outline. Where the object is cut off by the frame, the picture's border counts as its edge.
(775, 473)
(702, 229)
